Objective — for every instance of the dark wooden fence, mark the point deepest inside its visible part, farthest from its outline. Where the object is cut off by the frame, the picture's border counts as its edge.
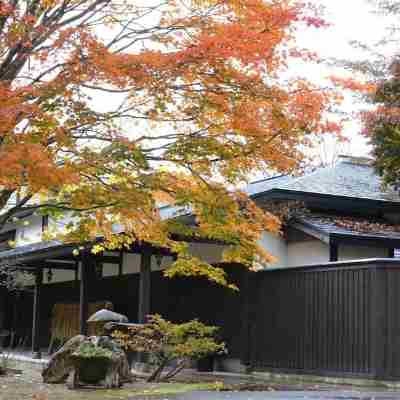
(339, 319)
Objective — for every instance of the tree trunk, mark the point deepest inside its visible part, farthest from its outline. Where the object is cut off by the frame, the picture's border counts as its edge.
(174, 371)
(156, 374)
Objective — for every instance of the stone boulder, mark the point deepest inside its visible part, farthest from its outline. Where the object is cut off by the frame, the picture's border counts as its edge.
(108, 371)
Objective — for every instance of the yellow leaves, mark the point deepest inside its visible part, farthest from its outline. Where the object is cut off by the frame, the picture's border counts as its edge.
(48, 3)
(194, 267)
(97, 248)
(209, 106)
(163, 197)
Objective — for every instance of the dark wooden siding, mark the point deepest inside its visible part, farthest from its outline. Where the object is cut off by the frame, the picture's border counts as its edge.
(315, 321)
(338, 319)
(341, 319)
(175, 299)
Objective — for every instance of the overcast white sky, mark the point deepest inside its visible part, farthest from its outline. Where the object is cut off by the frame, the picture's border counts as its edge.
(351, 20)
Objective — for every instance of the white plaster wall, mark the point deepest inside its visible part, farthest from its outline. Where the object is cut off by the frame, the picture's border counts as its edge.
(24, 279)
(277, 246)
(307, 253)
(110, 269)
(165, 262)
(359, 252)
(29, 230)
(316, 252)
(58, 225)
(211, 253)
(131, 263)
(59, 275)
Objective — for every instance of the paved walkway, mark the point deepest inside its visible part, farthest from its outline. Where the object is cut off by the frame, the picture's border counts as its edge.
(292, 395)
(25, 355)
(22, 387)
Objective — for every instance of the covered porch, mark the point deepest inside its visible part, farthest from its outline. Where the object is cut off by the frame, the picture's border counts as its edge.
(26, 314)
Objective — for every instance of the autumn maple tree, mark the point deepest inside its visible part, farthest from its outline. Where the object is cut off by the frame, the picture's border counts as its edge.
(110, 109)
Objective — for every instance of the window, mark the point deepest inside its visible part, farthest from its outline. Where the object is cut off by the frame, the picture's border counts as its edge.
(5, 239)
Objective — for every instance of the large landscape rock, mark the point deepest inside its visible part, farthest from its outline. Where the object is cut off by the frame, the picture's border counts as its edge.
(110, 371)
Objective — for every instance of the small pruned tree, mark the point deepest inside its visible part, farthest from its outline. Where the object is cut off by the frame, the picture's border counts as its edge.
(169, 344)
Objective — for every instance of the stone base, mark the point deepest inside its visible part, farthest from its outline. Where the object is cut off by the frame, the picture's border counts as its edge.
(141, 367)
(332, 380)
(232, 365)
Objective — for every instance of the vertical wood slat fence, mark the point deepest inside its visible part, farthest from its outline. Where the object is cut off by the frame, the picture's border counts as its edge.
(341, 319)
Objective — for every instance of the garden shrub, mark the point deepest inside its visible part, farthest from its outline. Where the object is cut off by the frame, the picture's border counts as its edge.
(90, 350)
(169, 344)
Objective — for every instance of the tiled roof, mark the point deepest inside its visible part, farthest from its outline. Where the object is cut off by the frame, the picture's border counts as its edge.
(347, 178)
(31, 250)
(264, 185)
(340, 225)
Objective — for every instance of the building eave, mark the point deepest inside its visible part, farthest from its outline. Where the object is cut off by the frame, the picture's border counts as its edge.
(358, 239)
(288, 194)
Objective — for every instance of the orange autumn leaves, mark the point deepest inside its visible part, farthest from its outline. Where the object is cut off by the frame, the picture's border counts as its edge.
(111, 109)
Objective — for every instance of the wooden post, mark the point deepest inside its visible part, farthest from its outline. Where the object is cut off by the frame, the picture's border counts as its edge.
(83, 294)
(144, 286)
(333, 252)
(249, 284)
(15, 302)
(379, 322)
(3, 299)
(36, 314)
(121, 263)
(246, 321)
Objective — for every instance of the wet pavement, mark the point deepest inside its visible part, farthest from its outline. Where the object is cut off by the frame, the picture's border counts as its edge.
(29, 385)
(283, 395)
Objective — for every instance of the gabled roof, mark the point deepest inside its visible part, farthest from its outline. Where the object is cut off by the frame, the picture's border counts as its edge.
(350, 177)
